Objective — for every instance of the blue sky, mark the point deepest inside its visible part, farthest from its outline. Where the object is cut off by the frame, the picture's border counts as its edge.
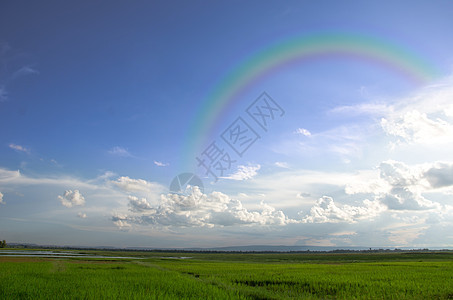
(97, 101)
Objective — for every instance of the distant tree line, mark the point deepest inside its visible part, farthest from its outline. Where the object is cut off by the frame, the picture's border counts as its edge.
(3, 244)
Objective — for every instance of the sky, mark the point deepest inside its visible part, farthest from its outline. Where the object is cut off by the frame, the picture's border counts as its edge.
(172, 124)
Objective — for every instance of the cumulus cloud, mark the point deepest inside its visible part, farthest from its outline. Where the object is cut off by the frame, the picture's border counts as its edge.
(197, 209)
(82, 215)
(401, 187)
(440, 175)
(326, 211)
(424, 117)
(160, 164)
(138, 205)
(121, 222)
(405, 187)
(417, 127)
(1, 198)
(19, 148)
(394, 186)
(245, 172)
(119, 151)
(72, 198)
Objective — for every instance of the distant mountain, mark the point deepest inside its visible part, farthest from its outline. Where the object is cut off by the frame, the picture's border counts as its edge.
(279, 248)
(249, 248)
(260, 248)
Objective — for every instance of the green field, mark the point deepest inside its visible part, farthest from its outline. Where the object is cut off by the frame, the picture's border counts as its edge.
(229, 276)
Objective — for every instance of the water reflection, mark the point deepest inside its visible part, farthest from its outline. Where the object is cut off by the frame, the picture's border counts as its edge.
(53, 254)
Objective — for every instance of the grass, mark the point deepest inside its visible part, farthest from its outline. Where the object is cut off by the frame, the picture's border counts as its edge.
(61, 279)
(230, 276)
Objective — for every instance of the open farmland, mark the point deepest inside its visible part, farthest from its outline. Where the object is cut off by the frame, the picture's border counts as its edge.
(159, 275)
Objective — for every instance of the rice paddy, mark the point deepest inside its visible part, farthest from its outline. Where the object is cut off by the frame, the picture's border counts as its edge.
(159, 275)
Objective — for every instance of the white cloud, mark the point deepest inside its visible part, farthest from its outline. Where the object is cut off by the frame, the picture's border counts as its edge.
(376, 109)
(1, 198)
(26, 70)
(6, 76)
(121, 222)
(104, 177)
(344, 233)
(405, 187)
(281, 164)
(344, 143)
(417, 127)
(326, 211)
(425, 117)
(161, 164)
(303, 195)
(119, 151)
(401, 187)
(448, 110)
(82, 215)
(405, 234)
(245, 172)
(138, 205)
(72, 198)
(7, 176)
(16, 178)
(19, 148)
(440, 174)
(297, 187)
(199, 210)
(303, 131)
(104, 192)
(137, 185)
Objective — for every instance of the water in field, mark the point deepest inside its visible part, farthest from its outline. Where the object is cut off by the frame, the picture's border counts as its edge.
(53, 254)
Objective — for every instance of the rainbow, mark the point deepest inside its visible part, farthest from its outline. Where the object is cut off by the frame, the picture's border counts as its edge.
(275, 56)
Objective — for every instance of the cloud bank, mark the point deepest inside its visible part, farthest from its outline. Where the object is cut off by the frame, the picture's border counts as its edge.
(198, 210)
(326, 211)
